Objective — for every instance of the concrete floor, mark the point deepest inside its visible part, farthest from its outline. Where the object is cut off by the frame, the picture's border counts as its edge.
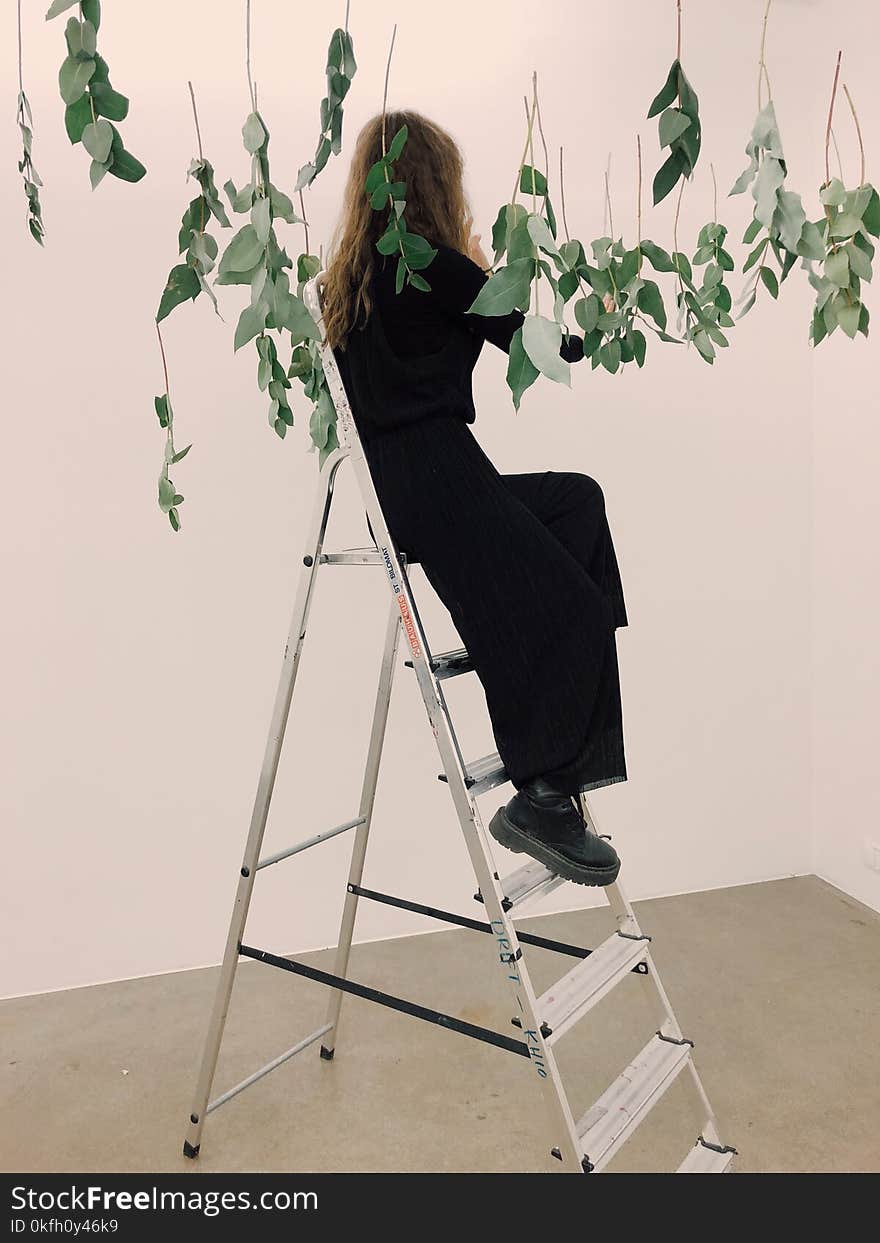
(776, 983)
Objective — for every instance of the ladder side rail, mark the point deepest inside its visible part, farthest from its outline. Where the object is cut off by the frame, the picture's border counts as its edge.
(658, 997)
(365, 813)
(265, 786)
(509, 952)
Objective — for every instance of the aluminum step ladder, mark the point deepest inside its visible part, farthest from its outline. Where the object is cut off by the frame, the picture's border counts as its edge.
(582, 1145)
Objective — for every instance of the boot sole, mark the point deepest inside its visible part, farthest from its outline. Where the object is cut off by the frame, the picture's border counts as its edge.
(523, 843)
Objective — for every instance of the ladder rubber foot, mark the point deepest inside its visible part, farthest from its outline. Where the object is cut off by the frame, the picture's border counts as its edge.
(327, 1054)
(189, 1150)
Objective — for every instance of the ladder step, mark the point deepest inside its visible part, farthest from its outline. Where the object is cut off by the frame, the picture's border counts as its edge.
(449, 664)
(704, 1159)
(483, 774)
(529, 881)
(623, 1105)
(569, 999)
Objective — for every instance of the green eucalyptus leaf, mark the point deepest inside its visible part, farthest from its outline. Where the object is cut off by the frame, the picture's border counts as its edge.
(97, 138)
(73, 78)
(59, 6)
(587, 311)
(860, 264)
(673, 123)
(768, 276)
(108, 103)
(521, 371)
(610, 354)
(834, 193)
(261, 219)
(243, 252)
(251, 322)
(667, 93)
(542, 339)
(125, 166)
(397, 143)
(837, 268)
(282, 206)
(666, 177)
(182, 283)
(253, 133)
(505, 290)
(76, 117)
(848, 317)
(658, 258)
(97, 171)
(871, 214)
(300, 323)
(650, 300)
(91, 11)
(532, 180)
(639, 347)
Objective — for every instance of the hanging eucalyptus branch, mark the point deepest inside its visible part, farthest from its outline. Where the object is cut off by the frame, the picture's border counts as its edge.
(414, 252)
(341, 68)
(31, 177)
(779, 222)
(169, 497)
(529, 241)
(679, 126)
(385, 191)
(254, 257)
(622, 301)
(187, 280)
(851, 218)
(92, 103)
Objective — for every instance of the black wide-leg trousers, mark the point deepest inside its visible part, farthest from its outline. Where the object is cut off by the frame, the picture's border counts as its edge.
(526, 566)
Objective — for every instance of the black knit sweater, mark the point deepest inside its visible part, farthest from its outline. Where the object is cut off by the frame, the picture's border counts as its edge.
(414, 357)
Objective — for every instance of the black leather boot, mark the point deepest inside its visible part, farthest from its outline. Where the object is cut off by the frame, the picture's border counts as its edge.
(544, 823)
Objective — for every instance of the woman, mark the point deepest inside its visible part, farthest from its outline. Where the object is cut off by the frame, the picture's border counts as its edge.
(524, 562)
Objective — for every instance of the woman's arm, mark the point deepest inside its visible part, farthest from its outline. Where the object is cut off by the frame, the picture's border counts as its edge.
(455, 281)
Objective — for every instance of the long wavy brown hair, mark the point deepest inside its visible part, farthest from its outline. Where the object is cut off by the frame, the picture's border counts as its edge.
(431, 164)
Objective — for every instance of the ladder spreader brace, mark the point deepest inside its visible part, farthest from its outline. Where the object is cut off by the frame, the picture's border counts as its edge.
(584, 1145)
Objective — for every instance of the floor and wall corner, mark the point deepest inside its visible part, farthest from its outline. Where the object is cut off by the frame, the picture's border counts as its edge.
(744, 509)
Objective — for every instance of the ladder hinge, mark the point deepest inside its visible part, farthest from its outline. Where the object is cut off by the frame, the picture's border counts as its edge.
(672, 1040)
(506, 903)
(635, 936)
(512, 957)
(545, 1030)
(718, 1147)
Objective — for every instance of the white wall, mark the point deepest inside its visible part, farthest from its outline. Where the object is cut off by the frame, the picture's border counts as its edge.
(141, 666)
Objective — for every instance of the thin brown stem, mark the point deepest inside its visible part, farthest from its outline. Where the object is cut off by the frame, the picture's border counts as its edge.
(762, 67)
(385, 95)
(529, 122)
(170, 428)
(675, 237)
(534, 189)
(248, 57)
(837, 154)
(830, 116)
(192, 96)
(302, 207)
(855, 116)
(639, 196)
(562, 197)
(678, 33)
(20, 70)
(714, 195)
(608, 200)
(541, 132)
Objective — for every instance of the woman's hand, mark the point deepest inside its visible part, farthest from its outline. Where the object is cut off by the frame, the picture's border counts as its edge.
(475, 250)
